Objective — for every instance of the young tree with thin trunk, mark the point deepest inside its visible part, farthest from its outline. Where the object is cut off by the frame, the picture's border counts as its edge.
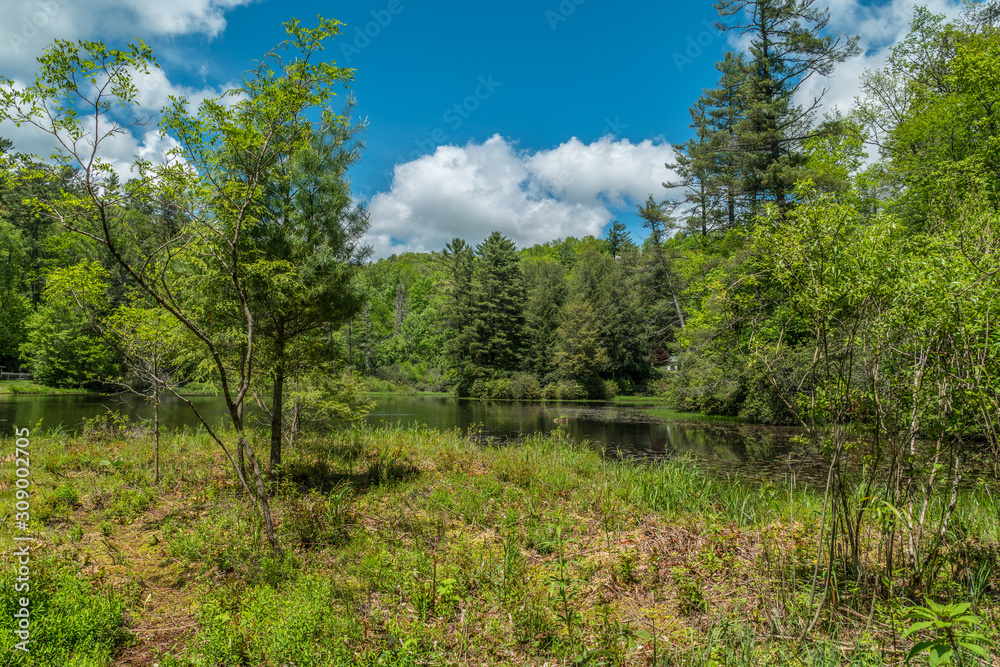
(204, 271)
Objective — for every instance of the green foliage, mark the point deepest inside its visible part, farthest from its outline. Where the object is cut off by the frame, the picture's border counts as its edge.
(690, 596)
(954, 635)
(324, 397)
(14, 307)
(498, 324)
(579, 354)
(519, 386)
(568, 390)
(786, 48)
(71, 622)
(63, 347)
(932, 106)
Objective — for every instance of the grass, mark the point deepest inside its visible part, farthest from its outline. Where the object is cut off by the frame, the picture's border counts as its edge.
(623, 398)
(677, 415)
(29, 387)
(418, 547)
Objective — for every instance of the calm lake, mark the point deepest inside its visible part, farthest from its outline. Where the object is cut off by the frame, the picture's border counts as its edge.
(624, 430)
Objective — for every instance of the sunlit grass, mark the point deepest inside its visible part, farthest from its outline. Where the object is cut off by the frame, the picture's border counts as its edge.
(407, 545)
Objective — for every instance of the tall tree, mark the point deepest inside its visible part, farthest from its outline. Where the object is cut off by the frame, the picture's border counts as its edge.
(14, 306)
(460, 312)
(217, 178)
(932, 112)
(658, 222)
(498, 330)
(308, 246)
(786, 49)
(609, 287)
(618, 238)
(545, 286)
(579, 354)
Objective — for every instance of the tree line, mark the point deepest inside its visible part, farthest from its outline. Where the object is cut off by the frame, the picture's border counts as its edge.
(572, 318)
(835, 272)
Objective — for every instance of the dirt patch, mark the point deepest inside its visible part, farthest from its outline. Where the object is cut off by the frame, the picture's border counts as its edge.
(133, 558)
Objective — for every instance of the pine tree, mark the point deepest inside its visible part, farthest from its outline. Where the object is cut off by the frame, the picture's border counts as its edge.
(618, 239)
(545, 282)
(579, 354)
(658, 222)
(460, 313)
(786, 50)
(498, 329)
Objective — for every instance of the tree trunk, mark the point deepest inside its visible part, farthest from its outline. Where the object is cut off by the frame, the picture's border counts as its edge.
(156, 433)
(277, 401)
(260, 492)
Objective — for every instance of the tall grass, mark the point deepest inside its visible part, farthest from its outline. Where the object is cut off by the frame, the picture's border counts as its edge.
(405, 545)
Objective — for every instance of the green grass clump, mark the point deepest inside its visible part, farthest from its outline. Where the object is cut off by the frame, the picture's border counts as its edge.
(72, 623)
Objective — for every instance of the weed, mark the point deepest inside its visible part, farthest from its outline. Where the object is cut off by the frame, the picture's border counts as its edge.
(690, 595)
(561, 586)
(954, 636)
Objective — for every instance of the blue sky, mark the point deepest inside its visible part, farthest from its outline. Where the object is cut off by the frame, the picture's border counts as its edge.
(541, 119)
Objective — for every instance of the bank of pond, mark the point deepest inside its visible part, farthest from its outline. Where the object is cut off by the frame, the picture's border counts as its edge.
(420, 546)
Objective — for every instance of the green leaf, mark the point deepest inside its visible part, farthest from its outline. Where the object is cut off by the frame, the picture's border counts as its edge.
(920, 647)
(941, 654)
(916, 627)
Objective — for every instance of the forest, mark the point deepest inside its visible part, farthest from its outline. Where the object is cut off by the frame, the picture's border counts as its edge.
(832, 271)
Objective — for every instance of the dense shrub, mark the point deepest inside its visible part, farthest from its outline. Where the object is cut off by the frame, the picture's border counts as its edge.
(419, 376)
(520, 386)
(72, 623)
(564, 390)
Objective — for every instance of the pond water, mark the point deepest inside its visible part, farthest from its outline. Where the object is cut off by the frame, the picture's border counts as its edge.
(625, 430)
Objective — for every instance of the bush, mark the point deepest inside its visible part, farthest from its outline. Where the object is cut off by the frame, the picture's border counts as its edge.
(418, 376)
(520, 386)
(609, 389)
(525, 386)
(564, 390)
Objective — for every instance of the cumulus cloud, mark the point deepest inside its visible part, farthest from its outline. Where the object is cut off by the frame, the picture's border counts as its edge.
(31, 25)
(879, 27)
(531, 197)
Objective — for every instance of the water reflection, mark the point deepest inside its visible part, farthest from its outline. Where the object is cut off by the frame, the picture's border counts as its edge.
(626, 431)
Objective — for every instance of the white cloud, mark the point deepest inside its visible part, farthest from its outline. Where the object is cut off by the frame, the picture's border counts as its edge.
(879, 28)
(534, 197)
(31, 25)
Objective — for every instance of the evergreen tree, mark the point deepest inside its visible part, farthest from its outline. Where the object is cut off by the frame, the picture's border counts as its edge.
(579, 354)
(308, 245)
(460, 313)
(659, 224)
(545, 282)
(498, 329)
(786, 50)
(609, 287)
(618, 239)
